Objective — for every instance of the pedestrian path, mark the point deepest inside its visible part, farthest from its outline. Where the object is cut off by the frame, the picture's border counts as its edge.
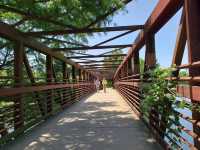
(103, 121)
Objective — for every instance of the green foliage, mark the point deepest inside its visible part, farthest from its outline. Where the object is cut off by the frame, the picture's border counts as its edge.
(160, 94)
(183, 73)
(64, 13)
(158, 90)
(77, 13)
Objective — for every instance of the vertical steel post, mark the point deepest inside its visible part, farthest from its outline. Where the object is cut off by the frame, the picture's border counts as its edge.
(149, 64)
(79, 75)
(18, 77)
(73, 90)
(73, 74)
(83, 73)
(150, 54)
(65, 75)
(180, 44)
(192, 8)
(130, 67)
(126, 69)
(32, 79)
(136, 63)
(49, 70)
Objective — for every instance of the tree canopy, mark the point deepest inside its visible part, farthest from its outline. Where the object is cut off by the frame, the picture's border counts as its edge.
(49, 15)
(38, 15)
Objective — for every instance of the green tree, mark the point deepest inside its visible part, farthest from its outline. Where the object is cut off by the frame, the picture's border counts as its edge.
(47, 15)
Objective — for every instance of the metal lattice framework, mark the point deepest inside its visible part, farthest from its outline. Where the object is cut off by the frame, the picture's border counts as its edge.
(79, 80)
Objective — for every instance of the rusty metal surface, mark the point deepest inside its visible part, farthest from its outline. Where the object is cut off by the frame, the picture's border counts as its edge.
(162, 13)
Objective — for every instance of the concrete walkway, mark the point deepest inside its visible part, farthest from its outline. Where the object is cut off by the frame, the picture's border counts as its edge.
(100, 122)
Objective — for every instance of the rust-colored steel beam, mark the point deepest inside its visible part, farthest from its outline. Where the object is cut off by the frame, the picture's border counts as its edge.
(73, 73)
(92, 47)
(73, 52)
(49, 79)
(18, 81)
(32, 79)
(106, 67)
(28, 68)
(130, 71)
(163, 12)
(193, 32)
(180, 42)
(150, 54)
(102, 67)
(11, 33)
(112, 51)
(113, 38)
(22, 90)
(64, 72)
(86, 30)
(192, 14)
(100, 61)
(49, 68)
(15, 35)
(191, 92)
(62, 41)
(96, 56)
(136, 63)
(109, 64)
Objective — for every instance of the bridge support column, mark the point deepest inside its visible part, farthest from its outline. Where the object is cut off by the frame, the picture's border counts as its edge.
(73, 74)
(129, 67)
(18, 77)
(149, 64)
(65, 74)
(49, 70)
(79, 75)
(136, 63)
(192, 8)
(150, 55)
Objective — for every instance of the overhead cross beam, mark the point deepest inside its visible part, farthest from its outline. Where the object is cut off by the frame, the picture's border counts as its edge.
(62, 41)
(8, 32)
(101, 65)
(80, 53)
(113, 38)
(100, 69)
(86, 30)
(92, 48)
(99, 61)
(96, 56)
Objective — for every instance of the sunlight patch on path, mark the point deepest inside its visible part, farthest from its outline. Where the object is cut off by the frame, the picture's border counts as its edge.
(103, 121)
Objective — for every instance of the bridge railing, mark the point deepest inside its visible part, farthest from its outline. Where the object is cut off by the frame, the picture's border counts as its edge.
(35, 104)
(129, 78)
(26, 99)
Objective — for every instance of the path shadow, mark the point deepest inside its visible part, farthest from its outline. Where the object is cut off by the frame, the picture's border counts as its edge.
(88, 125)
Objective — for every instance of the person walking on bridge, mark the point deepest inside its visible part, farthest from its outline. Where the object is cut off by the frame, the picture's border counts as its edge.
(97, 84)
(104, 82)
